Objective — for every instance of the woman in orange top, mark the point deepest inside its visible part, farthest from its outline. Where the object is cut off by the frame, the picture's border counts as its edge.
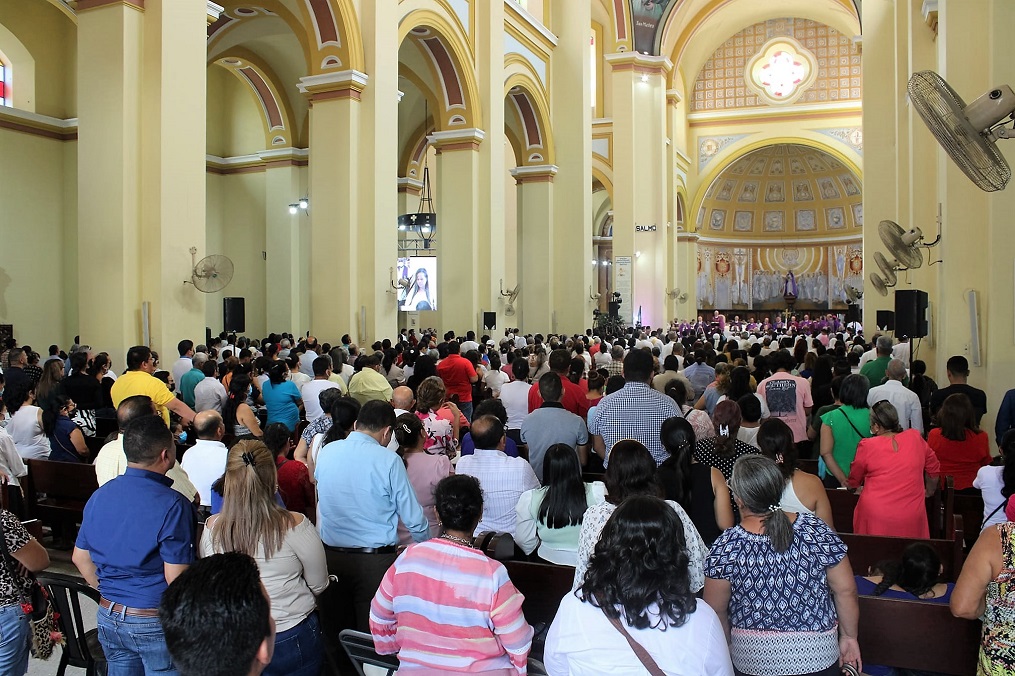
(959, 444)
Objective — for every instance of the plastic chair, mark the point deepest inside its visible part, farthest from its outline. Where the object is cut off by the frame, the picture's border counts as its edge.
(360, 649)
(81, 648)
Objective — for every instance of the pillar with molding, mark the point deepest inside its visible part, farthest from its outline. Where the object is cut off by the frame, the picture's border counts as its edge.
(286, 238)
(536, 249)
(640, 196)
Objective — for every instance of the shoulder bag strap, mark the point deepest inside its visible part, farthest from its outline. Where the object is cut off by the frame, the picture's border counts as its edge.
(858, 432)
(639, 650)
(996, 510)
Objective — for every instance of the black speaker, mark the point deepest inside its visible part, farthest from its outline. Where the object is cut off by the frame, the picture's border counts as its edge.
(614, 307)
(233, 315)
(853, 314)
(911, 313)
(886, 320)
(489, 321)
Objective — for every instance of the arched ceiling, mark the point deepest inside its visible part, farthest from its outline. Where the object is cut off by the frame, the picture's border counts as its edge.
(783, 191)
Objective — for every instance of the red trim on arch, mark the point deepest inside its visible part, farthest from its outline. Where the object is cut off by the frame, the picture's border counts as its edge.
(267, 98)
(325, 20)
(452, 86)
(618, 10)
(532, 134)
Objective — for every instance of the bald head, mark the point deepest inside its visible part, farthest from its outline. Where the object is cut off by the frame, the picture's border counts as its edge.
(402, 398)
(208, 425)
(896, 370)
(133, 408)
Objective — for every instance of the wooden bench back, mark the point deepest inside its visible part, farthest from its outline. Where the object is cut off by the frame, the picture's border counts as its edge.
(543, 586)
(66, 487)
(868, 550)
(843, 503)
(917, 635)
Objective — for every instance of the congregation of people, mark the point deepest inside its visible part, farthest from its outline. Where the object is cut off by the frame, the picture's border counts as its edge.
(257, 497)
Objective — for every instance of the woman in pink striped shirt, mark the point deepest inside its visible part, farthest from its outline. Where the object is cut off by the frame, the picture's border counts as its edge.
(437, 603)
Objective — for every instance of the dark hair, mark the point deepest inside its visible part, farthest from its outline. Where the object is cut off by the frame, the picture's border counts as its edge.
(550, 387)
(955, 416)
(78, 361)
(559, 360)
(677, 391)
(184, 346)
(917, 572)
(677, 437)
(520, 368)
(99, 362)
(726, 418)
(321, 366)
(145, 438)
(564, 503)
(487, 431)
(374, 416)
(137, 356)
(853, 391)
(209, 368)
(576, 369)
(277, 372)
(133, 408)
(276, 437)
(640, 562)
(631, 471)
(958, 365)
(52, 412)
(638, 365)
(671, 363)
(408, 429)
(491, 406)
(597, 379)
(775, 439)
(459, 502)
(237, 395)
(750, 408)
(782, 360)
(1007, 448)
(758, 483)
(215, 616)
(344, 412)
(739, 383)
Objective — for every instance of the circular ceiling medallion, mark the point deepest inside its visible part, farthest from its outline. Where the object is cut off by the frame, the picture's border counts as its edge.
(245, 11)
(232, 62)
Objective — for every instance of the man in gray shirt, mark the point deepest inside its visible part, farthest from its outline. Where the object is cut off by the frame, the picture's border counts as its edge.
(552, 424)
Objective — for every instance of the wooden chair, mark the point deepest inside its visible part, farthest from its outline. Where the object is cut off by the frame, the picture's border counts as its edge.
(808, 465)
(868, 550)
(917, 635)
(970, 508)
(56, 492)
(843, 503)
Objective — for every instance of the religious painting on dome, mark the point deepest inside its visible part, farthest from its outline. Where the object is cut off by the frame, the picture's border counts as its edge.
(775, 192)
(758, 168)
(835, 218)
(777, 169)
(749, 193)
(796, 166)
(828, 189)
(701, 217)
(647, 17)
(774, 221)
(849, 185)
(718, 219)
(743, 221)
(802, 191)
(805, 219)
(727, 191)
(858, 215)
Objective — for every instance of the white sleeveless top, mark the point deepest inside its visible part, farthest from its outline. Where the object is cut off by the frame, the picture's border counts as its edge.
(790, 502)
(29, 438)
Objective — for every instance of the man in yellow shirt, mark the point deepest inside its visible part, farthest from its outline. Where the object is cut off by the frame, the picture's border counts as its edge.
(139, 380)
(369, 384)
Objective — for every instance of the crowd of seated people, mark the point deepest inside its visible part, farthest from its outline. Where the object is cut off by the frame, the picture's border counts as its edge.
(377, 467)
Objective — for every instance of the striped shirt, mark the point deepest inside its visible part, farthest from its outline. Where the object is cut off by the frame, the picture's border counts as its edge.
(449, 608)
(636, 411)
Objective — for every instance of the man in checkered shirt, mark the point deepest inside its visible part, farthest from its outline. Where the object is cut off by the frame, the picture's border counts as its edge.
(634, 412)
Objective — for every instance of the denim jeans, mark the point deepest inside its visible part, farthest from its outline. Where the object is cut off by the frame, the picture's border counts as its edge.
(466, 408)
(15, 634)
(298, 651)
(134, 646)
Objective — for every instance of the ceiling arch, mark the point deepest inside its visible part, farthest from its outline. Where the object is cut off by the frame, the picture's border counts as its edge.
(527, 120)
(264, 85)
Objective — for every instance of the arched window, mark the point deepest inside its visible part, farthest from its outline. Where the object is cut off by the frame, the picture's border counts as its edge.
(5, 84)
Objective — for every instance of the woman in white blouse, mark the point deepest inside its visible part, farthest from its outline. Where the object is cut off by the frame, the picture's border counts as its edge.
(25, 426)
(287, 549)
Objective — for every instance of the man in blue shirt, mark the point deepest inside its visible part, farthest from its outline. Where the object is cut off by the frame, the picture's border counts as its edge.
(136, 537)
(363, 490)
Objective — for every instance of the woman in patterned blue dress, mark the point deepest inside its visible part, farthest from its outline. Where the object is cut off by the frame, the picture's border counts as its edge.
(781, 583)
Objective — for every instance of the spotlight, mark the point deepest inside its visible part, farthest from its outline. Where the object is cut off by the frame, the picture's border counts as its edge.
(304, 203)
(644, 77)
(293, 208)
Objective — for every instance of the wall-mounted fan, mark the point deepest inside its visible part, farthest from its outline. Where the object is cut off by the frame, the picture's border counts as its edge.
(880, 285)
(888, 268)
(903, 244)
(853, 295)
(509, 310)
(211, 273)
(968, 133)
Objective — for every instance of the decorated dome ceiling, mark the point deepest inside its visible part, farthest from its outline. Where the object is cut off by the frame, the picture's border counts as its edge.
(783, 190)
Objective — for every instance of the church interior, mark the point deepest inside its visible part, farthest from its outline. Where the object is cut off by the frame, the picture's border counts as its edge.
(684, 154)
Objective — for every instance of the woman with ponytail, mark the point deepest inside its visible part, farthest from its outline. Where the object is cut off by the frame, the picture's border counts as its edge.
(804, 492)
(425, 470)
(722, 450)
(237, 416)
(808, 621)
(288, 551)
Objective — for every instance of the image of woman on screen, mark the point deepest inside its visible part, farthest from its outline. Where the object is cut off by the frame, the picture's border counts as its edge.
(419, 297)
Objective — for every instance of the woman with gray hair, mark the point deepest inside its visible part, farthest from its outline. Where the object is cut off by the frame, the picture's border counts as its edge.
(781, 583)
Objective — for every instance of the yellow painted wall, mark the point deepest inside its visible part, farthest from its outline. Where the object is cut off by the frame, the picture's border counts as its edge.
(235, 228)
(38, 269)
(51, 38)
(235, 121)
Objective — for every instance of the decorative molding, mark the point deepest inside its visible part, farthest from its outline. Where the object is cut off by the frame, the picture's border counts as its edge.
(256, 162)
(851, 136)
(214, 12)
(710, 146)
(767, 240)
(35, 124)
(762, 114)
(457, 139)
(533, 23)
(673, 97)
(639, 63)
(540, 173)
(85, 5)
(929, 12)
(345, 84)
(409, 185)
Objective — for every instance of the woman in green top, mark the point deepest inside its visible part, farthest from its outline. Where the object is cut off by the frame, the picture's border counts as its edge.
(843, 428)
(550, 517)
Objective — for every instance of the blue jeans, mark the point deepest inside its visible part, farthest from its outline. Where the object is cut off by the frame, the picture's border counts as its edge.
(134, 646)
(15, 634)
(466, 408)
(298, 651)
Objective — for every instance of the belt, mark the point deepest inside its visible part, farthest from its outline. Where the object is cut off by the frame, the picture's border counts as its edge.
(120, 608)
(390, 549)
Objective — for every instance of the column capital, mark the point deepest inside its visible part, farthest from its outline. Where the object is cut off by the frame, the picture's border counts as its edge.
(673, 97)
(346, 84)
(285, 157)
(409, 185)
(456, 139)
(85, 5)
(214, 11)
(540, 173)
(639, 63)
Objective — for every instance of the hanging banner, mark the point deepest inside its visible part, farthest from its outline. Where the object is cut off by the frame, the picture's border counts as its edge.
(622, 272)
(646, 16)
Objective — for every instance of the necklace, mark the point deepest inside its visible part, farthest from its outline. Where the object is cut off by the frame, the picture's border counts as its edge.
(467, 542)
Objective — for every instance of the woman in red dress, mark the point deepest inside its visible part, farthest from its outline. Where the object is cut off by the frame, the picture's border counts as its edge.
(894, 471)
(958, 443)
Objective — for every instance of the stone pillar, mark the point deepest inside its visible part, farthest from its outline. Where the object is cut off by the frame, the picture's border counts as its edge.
(536, 237)
(640, 196)
(571, 116)
(458, 235)
(335, 194)
(285, 236)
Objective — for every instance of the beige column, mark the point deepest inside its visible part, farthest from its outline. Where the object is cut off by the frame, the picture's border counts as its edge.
(109, 40)
(639, 195)
(571, 117)
(335, 195)
(686, 278)
(536, 240)
(173, 153)
(285, 235)
(458, 205)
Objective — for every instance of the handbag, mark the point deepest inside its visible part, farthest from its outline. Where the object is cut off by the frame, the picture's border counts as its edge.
(36, 604)
(639, 650)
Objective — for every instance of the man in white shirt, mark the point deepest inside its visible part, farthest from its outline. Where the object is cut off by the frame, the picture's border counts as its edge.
(901, 351)
(205, 461)
(905, 401)
(470, 342)
(209, 394)
(515, 397)
(185, 362)
(312, 390)
(502, 478)
(872, 353)
(308, 357)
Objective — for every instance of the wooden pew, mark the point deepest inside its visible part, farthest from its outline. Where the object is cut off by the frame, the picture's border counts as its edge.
(970, 508)
(497, 546)
(868, 550)
(843, 503)
(543, 586)
(66, 487)
(808, 465)
(917, 635)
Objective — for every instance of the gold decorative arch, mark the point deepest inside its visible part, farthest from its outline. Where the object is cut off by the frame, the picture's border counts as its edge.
(266, 9)
(529, 110)
(264, 85)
